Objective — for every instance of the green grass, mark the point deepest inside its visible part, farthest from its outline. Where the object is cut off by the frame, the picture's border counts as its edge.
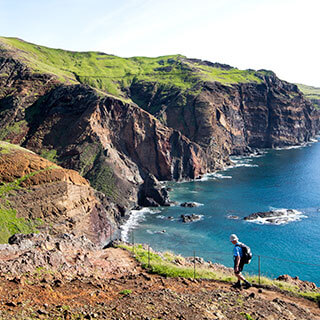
(309, 91)
(6, 147)
(126, 292)
(12, 129)
(246, 316)
(162, 264)
(312, 93)
(115, 75)
(50, 155)
(11, 224)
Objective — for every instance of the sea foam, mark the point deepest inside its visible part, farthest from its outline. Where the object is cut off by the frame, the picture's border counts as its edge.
(135, 218)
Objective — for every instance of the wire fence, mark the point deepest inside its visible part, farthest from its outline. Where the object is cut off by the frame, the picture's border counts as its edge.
(198, 263)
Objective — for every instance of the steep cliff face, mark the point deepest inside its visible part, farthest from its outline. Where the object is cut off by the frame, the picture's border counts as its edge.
(113, 143)
(171, 118)
(227, 119)
(59, 199)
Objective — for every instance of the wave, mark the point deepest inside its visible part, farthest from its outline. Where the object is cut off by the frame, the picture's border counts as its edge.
(163, 217)
(214, 176)
(282, 216)
(164, 231)
(292, 147)
(241, 164)
(135, 218)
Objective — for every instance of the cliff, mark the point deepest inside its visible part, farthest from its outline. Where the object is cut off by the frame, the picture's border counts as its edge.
(123, 122)
(232, 118)
(38, 194)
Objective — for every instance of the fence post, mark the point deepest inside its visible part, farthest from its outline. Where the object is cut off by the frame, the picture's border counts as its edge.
(110, 230)
(194, 264)
(259, 268)
(148, 256)
(132, 242)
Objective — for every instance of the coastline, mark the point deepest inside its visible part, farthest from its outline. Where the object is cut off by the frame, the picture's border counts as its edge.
(148, 217)
(136, 216)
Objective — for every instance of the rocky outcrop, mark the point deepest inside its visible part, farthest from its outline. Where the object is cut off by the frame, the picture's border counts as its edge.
(189, 204)
(59, 258)
(60, 199)
(152, 193)
(301, 284)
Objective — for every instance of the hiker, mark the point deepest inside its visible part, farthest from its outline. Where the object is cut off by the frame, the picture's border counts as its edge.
(239, 262)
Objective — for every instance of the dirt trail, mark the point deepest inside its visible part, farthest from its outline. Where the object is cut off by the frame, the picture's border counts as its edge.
(128, 292)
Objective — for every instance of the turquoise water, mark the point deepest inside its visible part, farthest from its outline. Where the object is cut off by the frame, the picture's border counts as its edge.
(279, 179)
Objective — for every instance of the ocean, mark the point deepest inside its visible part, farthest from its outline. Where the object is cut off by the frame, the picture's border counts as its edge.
(272, 180)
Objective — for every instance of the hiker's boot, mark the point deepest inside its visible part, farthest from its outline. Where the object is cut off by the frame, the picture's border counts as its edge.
(247, 285)
(237, 285)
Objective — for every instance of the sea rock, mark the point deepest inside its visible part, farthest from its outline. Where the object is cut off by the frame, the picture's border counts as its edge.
(274, 216)
(189, 204)
(189, 218)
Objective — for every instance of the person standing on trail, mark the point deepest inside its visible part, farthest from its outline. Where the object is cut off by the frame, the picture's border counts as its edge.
(238, 262)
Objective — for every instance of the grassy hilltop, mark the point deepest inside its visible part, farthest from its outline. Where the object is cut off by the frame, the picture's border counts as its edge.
(115, 74)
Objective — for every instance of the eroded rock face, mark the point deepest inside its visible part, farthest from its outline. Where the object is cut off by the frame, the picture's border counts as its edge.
(230, 119)
(60, 198)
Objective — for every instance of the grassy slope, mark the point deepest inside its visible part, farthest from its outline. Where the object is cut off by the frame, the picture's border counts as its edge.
(164, 265)
(309, 92)
(113, 74)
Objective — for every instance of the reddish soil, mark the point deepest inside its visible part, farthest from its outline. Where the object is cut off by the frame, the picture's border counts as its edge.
(128, 292)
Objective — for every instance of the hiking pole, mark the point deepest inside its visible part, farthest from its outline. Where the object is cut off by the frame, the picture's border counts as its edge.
(194, 264)
(259, 269)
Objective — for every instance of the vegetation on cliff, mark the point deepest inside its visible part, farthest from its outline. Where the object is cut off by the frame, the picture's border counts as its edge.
(36, 193)
(9, 222)
(115, 74)
(311, 93)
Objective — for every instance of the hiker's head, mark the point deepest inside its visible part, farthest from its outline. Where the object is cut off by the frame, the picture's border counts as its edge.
(234, 239)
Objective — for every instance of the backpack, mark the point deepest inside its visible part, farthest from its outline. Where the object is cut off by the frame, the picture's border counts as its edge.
(246, 253)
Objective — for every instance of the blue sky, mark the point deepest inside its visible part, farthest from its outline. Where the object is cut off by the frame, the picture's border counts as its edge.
(281, 35)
